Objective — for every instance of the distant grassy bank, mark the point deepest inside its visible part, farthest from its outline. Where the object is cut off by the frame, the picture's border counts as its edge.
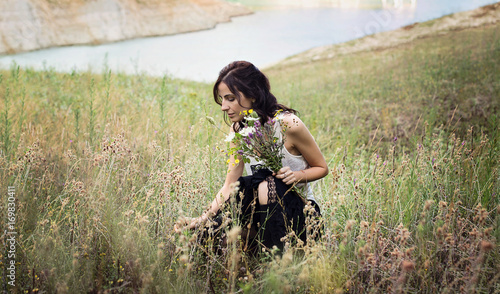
(102, 166)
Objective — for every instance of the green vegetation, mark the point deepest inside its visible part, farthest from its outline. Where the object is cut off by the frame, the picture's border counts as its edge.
(103, 165)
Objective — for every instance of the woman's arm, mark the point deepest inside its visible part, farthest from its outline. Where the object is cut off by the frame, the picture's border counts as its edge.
(234, 172)
(299, 140)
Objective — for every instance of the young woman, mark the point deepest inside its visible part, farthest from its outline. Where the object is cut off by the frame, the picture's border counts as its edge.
(270, 209)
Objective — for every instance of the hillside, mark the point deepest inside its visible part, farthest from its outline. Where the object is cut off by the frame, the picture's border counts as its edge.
(35, 24)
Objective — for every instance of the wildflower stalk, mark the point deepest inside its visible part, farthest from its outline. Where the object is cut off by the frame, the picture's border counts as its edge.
(91, 126)
(22, 117)
(6, 122)
(77, 121)
(107, 80)
(163, 96)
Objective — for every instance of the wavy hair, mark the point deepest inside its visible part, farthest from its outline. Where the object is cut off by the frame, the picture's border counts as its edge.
(244, 77)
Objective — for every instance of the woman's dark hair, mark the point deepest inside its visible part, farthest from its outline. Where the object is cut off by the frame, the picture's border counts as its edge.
(244, 77)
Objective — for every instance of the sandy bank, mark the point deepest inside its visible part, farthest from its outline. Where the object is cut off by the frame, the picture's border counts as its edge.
(486, 15)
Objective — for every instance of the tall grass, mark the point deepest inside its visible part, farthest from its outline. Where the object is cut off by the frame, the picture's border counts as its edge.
(103, 165)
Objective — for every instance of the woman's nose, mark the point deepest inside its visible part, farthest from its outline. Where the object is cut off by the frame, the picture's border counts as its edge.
(224, 106)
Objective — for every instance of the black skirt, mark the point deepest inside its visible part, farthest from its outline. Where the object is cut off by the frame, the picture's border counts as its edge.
(286, 218)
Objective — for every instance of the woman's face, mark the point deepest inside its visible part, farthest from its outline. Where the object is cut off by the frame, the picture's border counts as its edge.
(231, 105)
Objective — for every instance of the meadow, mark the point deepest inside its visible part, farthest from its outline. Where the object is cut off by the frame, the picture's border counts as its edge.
(102, 165)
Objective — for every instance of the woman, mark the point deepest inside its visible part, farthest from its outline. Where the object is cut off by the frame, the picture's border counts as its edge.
(269, 207)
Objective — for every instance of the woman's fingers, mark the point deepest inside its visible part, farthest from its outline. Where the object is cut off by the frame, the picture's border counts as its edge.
(286, 175)
(284, 172)
(290, 179)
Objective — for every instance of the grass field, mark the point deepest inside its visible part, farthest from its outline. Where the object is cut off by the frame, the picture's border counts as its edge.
(102, 165)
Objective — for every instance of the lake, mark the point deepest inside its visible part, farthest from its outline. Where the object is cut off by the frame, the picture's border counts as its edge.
(276, 30)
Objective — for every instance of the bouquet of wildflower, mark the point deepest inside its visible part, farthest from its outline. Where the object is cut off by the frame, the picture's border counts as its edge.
(259, 141)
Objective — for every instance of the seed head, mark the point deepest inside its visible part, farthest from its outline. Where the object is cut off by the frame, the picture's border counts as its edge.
(350, 224)
(408, 265)
(428, 204)
(486, 245)
(233, 234)
(211, 120)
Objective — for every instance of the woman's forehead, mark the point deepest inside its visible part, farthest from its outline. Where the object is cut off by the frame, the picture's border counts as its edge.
(222, 86)
(224, 90)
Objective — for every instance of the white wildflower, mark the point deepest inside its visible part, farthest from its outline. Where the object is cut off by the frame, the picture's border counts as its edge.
(229, 137)
(246, 131)
(280, 116)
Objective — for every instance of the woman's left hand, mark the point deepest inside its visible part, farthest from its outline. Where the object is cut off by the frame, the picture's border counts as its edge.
(185, 223)
(287, 175)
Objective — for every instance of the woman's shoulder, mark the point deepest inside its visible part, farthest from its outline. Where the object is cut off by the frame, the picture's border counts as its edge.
(291, 121)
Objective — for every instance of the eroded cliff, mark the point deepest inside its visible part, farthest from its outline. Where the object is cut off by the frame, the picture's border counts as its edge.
(27, 25)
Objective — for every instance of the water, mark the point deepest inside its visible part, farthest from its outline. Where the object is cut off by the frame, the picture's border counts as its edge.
(265, 37)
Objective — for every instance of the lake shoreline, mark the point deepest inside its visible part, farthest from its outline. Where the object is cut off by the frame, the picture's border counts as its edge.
(266, 44)
(482, 16)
